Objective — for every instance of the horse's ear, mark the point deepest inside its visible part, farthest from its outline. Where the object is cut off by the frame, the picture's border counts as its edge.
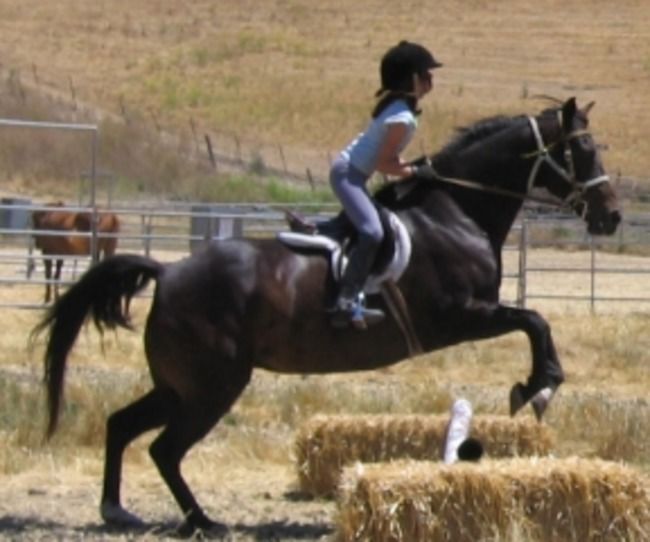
(587, 108)
(568, 112)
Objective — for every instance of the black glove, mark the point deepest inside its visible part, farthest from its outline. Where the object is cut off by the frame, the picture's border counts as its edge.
(425, 172)
(422, 160)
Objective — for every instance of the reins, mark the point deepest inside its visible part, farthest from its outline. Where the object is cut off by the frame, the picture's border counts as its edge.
(542, 155)
(493, 189)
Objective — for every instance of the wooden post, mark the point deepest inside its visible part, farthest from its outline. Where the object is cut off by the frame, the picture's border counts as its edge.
(73, 94)
(523, 263)
(310, 179)
(196, 139)
(238, 147)
(208, 143)
(592, 289)
(284, 162)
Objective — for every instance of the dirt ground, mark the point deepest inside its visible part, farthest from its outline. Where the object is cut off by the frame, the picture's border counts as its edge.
(256, 504)
(57, 497)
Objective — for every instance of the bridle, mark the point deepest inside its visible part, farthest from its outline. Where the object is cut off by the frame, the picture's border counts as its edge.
(575, 197)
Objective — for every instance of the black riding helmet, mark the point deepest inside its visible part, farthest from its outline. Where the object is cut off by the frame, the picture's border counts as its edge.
(400, 63)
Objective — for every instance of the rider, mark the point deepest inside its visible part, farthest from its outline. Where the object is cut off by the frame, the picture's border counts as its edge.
(406, 76)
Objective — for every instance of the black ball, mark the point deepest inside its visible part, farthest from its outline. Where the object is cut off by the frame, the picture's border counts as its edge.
(470, 449)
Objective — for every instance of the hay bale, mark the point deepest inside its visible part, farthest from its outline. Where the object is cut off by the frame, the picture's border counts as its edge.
(537, 499)
(325, 444)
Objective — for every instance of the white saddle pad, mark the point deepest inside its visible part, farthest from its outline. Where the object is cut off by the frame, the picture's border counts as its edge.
(393, 270)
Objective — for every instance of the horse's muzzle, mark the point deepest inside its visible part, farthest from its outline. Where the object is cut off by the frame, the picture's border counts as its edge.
(603, 224)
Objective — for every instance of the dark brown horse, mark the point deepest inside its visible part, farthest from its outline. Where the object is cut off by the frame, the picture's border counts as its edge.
(246, 304)
(55, 247)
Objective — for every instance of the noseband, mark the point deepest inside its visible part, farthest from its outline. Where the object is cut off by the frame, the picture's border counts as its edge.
(543, 155)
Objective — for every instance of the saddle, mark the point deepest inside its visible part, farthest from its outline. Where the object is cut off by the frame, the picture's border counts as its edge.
(392, 257)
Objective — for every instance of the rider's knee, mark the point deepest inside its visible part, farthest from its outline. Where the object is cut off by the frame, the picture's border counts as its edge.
(371, 237)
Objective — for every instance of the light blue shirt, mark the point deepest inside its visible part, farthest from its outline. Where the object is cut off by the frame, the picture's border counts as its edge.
(363, 152)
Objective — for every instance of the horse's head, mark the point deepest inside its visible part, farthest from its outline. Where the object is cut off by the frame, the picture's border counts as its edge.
(83, 221)
(576, 172)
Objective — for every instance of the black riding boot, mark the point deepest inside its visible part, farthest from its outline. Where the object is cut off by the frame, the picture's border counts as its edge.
(349, 308)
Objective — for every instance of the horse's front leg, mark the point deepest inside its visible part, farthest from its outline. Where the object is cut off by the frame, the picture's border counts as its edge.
(47, 265)
(547, 373)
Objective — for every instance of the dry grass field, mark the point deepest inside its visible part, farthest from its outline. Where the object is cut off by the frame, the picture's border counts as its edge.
(302, 74)
(245, 471)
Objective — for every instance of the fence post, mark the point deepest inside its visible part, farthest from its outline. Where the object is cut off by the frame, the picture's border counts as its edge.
(521, 279)
(310, 180)
(238, 149)
(282, 158)
(593, 273)
(94, 244)
(31, 259)
(73, 94)
(146, 228)
(196, 141)
(208, 144)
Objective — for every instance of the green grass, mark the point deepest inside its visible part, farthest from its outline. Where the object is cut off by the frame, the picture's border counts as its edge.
(253, 188)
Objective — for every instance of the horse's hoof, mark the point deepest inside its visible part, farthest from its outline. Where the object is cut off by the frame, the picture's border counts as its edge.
(516, 398)
(115, 515)
(540, 402)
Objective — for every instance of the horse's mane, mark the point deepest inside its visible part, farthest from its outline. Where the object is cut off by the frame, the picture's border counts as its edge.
(463, 138)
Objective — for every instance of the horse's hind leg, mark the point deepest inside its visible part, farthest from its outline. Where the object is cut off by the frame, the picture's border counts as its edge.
(123, 426)
(187, 425)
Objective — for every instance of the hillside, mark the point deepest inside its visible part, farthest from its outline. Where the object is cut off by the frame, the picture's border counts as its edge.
(295, 79)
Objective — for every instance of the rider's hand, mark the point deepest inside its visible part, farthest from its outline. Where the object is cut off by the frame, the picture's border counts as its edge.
(425, 172)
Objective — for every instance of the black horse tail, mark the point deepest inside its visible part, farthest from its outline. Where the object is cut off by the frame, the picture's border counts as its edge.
(103, 292)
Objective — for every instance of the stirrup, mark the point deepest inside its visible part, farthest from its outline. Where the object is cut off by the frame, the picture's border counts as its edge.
(353, 312)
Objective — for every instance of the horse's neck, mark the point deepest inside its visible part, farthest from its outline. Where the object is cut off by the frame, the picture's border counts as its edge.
(494, 214)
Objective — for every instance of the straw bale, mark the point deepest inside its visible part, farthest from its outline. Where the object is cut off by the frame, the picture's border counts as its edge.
(533, 499)
(325, 444)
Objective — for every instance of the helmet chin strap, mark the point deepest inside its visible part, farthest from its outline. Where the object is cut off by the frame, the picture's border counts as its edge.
(383, 92)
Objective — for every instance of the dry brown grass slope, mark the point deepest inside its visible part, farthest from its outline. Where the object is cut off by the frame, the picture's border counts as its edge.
(302, 73)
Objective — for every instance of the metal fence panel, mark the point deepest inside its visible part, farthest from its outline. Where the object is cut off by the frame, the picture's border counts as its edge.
(546, 259)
